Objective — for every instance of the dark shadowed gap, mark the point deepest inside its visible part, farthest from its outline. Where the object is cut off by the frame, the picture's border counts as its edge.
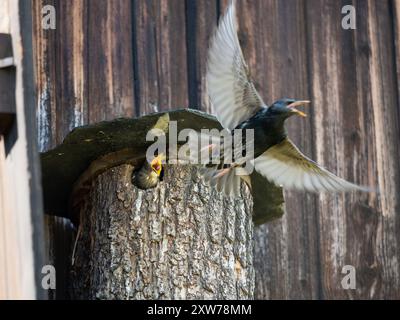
(218, 4)
(191, 54)
(87, 58)
(58, 116)
(307, 31)
(11, 137)
(136, 82)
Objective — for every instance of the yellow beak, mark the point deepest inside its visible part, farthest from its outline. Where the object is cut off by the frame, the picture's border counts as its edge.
(298, 103)
(156, 163)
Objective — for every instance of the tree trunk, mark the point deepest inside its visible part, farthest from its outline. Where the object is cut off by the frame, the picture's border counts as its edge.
(170, 242)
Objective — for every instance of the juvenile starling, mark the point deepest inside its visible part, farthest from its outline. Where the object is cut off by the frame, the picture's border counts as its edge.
(238, 105)
(149, 174)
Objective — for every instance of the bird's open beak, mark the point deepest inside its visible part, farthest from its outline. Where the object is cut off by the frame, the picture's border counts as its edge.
(156, 163)
(156, 166)
(298, 103)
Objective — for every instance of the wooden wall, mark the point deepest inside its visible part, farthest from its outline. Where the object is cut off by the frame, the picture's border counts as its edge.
(108, 59)
(21, 210)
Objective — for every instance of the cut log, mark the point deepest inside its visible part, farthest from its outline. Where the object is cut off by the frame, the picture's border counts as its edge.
(180, 240)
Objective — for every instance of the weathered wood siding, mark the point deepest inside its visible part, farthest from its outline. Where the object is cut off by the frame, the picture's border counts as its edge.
(127, 58)
(21, 212)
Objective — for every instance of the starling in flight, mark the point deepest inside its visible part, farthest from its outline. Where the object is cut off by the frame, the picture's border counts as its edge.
(238, 105)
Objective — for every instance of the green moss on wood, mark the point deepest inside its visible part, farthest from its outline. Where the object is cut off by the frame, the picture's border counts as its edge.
(63, 165)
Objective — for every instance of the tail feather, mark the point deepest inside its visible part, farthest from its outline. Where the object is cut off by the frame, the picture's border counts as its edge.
(221, 175)
(227, 183)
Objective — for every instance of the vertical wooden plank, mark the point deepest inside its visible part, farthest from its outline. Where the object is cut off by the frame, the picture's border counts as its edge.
(85, 67)
(7, 281)
(385, 103)
(272, 34)
(160, 55)
(338, 73)
(71, 94)
(9, 284)
(324, 22)
(25, 97)
(355, 118)
(84, 74)
(201, 21)
(109, 60)
(259, 38)
(395, 9)
(47, 80)
(60, 61)
(21, 213)
(45, 55)
(291, 80)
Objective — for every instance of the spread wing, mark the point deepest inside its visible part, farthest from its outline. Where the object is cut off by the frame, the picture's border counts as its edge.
(232, 93)
(286, 166)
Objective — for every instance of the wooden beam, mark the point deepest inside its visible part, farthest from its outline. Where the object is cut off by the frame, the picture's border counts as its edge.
(21, 213)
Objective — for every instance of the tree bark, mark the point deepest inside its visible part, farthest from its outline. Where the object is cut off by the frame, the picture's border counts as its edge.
(170, 242)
